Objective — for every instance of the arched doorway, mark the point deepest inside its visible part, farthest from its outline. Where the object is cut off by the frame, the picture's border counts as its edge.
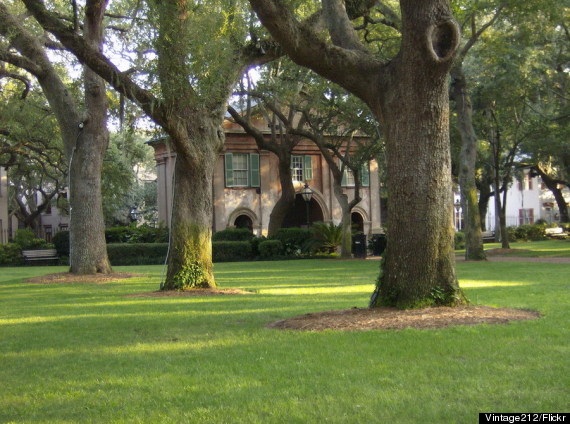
(244, 221)
(357, 223)
(297, 215)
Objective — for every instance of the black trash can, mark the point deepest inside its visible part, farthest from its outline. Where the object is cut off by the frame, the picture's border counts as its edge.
(378, 244)
(359, 246)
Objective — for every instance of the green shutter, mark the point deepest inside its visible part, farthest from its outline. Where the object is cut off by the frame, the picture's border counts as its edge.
(229, 163)
(365, 175)
(254, 170)
(308, 168)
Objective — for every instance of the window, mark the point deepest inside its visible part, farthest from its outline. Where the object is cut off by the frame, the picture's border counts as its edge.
(526, 216)
(525, 183)
(348, 177)
(242, 169)
(301, 167)
(48, 233)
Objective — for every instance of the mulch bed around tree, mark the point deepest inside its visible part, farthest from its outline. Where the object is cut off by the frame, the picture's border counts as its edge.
(357, 319)
(66, 277)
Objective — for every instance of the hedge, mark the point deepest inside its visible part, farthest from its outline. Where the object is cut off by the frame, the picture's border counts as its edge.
(270, 249)
(233, 234)
(231, 251)
(155, 253)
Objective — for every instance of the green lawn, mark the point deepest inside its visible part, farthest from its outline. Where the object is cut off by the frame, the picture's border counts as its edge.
(85, 353)
(537, 249)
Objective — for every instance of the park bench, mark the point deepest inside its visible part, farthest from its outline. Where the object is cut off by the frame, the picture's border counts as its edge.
(32, 256)
(556, 232)
(488, 236)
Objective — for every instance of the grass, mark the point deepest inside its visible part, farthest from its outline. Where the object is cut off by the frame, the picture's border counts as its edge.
(537, 249)
(85, 353)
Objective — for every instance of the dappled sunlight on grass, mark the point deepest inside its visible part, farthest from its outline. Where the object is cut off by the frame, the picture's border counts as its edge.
(316, 290)
(74, 353)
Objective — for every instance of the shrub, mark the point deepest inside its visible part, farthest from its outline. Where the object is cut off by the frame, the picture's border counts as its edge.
(231, 251)
(512, 233)
(10, 254)
(255, 242)
(136, 234)
(137, 253)
(118, 234)
(61, 242)
(536, 232)
(26, 239)
(295, 240)
(459, 240)
(326, 237)
(233, 234)
(271, 249)
(530, 232)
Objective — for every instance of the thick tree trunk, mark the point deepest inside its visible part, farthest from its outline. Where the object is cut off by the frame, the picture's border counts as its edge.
(88, 249)
(419, 265)
(287, 199)
(467, 160)
(190, 250)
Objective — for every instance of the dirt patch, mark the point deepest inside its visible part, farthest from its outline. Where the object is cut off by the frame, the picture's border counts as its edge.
(357, 319)
(66, 277)
(190, 293)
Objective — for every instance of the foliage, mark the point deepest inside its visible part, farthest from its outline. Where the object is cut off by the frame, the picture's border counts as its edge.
(137, 253)
(326, 237)
(233, 234)
(26, 239)
(61, 242)
(271, 249)
(231, 251)
(295, 240)
(530, 233)
(459, 240)
(11, 254)
(136, 234)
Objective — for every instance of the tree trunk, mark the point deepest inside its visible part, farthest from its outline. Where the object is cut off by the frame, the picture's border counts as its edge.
(346, 219)
(419, 266)
(483, 204)
(467, 160)
(287, 199)
(552, 185)
(88, 249)
(190, 248)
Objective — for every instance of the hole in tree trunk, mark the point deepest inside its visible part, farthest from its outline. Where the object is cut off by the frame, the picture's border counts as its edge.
(444, 39)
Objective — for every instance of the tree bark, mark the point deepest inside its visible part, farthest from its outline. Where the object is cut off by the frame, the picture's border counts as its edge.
(467, 160)
(287, 199)
(409, 97)
(419, 265)
(85, 139)
(190, 250)
(553, 185)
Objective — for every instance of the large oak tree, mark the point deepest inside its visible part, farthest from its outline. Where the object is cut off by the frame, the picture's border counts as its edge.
(408, 95)
(83, 129)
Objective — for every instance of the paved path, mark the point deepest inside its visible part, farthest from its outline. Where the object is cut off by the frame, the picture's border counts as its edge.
(520, 259)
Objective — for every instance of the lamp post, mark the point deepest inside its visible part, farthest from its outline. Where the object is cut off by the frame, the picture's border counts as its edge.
(307, 194)
(134, 214)
(457, 205)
